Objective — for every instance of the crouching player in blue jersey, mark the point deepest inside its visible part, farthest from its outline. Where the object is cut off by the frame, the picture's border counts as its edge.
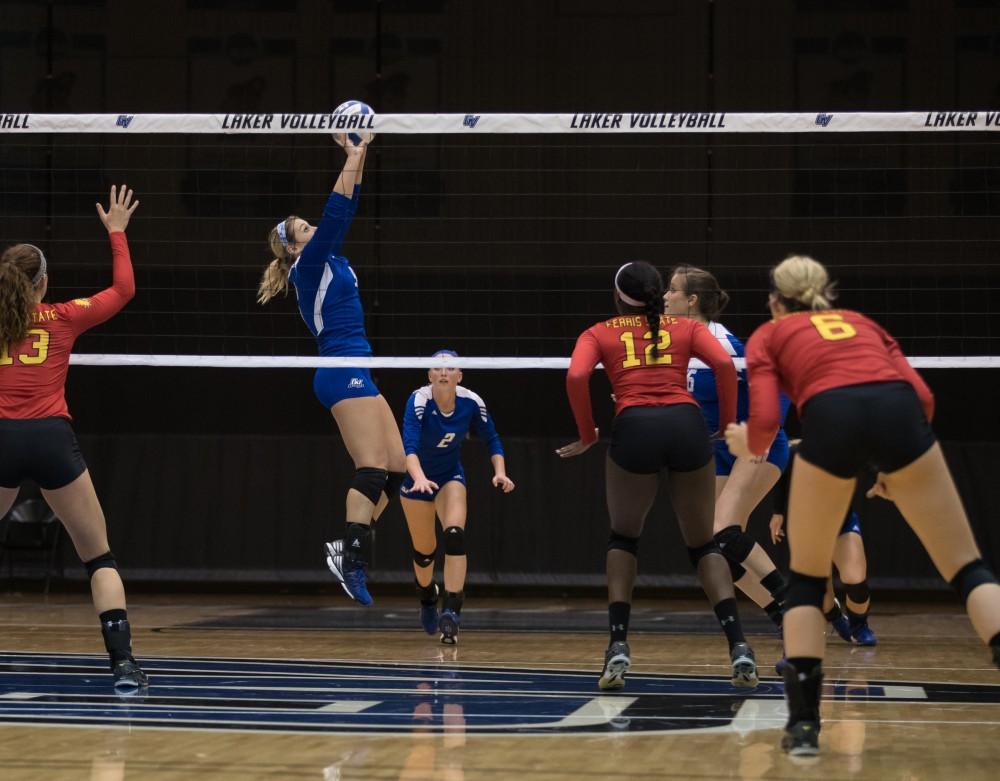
(437, 419)
(850, 561)
(326, 286)
(740, 483)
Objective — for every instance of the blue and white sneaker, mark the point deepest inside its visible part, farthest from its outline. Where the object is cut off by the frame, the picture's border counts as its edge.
(842, 627)
(862, 634)
(448, 625)
(429, 614)
(350, 573)
(744, 666)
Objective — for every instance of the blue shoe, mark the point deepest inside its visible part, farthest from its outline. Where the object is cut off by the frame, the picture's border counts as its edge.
(351, 574)
(842, 627)
(448, 626)
(862, 634)
(429, 614)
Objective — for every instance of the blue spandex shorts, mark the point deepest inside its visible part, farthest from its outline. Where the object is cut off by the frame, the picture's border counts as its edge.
(334, 384)
(404, 490)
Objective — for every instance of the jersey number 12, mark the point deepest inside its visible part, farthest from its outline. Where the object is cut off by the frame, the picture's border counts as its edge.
(628, 339)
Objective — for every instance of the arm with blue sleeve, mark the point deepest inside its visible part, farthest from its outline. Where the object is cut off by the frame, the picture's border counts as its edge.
(412, 428)
(338, 214)
(484, 428)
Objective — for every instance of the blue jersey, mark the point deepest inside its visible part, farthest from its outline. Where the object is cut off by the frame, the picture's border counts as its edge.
(437, 438)
(326, 285)
(701, 382)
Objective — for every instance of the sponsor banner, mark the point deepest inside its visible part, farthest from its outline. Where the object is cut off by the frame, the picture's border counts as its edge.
(588, 122)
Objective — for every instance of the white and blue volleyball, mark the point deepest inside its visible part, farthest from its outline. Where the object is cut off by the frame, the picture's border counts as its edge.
(352, 117)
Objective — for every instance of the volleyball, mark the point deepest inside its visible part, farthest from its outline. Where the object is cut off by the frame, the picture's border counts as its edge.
(354, 114)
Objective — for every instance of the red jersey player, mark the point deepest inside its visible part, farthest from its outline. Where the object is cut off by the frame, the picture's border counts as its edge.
(36, 440)
(860, 403)
(657, 426)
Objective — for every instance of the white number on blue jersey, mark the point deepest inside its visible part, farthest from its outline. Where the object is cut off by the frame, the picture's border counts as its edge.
(446, 440)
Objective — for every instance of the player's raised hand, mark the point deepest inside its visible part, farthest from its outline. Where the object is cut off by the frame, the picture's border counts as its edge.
(504, 483)
(350, 148)
(120, 208)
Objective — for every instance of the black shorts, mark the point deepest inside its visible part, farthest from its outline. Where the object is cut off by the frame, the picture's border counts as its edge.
(44, 450)
(878, 425)
(645, 440)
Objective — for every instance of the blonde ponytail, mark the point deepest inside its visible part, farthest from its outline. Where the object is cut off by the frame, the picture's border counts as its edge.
(274, 280)
(801, 280)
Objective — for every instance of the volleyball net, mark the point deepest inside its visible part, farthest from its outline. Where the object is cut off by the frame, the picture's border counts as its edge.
(497, 234)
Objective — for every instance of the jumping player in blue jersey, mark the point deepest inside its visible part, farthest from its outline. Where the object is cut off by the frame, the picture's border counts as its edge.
(437, 419)
(740, 483)
(326, 286)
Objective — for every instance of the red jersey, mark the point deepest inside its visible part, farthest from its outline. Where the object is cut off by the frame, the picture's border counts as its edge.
(624, 344)
(805, 353)
(33, 371)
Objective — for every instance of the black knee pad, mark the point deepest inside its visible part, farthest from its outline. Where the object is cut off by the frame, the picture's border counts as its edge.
(102, 561)
(454, 541)
(737, 570)
(804, 591)
(858, 593)
(697, 554)
(369, 481)
(972, 575)
(618, 541)
(423, 559)
(735, 543)
(392, 484)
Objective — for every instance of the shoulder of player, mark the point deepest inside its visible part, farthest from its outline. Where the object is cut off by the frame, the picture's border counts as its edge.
(469, 396)
(65, 310)
(420, 398)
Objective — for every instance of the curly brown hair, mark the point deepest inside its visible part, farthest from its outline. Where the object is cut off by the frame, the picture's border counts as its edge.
(18, 267)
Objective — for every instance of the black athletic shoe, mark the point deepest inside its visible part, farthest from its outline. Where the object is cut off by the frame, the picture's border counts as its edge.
(617, 660)
(448, 626)
(744, 666)
(801, 739)
(129, 677)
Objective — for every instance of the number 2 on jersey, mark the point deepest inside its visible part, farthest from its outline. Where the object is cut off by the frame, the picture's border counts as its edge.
(628, 339)
(446, 439)
(40, 346)
(832, 327)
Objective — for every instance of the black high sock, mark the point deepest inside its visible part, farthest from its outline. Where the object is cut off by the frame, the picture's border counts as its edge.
(117, 634)
(803, 687)
(428, 594)
(453, 601)
(618, 616)
(773, 611)
(729, 620)
(776, 585)
(856, 619)
(358, 542)
(833, 613)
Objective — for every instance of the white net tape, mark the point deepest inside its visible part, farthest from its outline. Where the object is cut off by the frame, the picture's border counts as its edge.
(477, 124)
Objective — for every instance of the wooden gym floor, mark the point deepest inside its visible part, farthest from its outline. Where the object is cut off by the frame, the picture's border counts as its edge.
(283, 688)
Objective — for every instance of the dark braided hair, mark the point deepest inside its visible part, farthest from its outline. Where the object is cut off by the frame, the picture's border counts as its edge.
(640, 281)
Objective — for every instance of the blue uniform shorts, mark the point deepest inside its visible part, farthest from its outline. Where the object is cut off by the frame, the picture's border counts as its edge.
(335, 384)
(777, 455)
(404, 490)
(852, 523)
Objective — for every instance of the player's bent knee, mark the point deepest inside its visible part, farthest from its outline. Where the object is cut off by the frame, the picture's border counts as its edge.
(805, 591)
(970, 577)
(104, 561)
(454, 541)
(620, 542)
(737, 570)
(735, 543)
(708, 549)
(423, 559)
(370, 482)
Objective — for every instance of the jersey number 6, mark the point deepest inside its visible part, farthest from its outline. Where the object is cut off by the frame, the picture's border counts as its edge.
(628, 339)
(832, 327)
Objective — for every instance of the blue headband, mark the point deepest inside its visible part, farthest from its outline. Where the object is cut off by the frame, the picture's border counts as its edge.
(282, 234)
(452, 353)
